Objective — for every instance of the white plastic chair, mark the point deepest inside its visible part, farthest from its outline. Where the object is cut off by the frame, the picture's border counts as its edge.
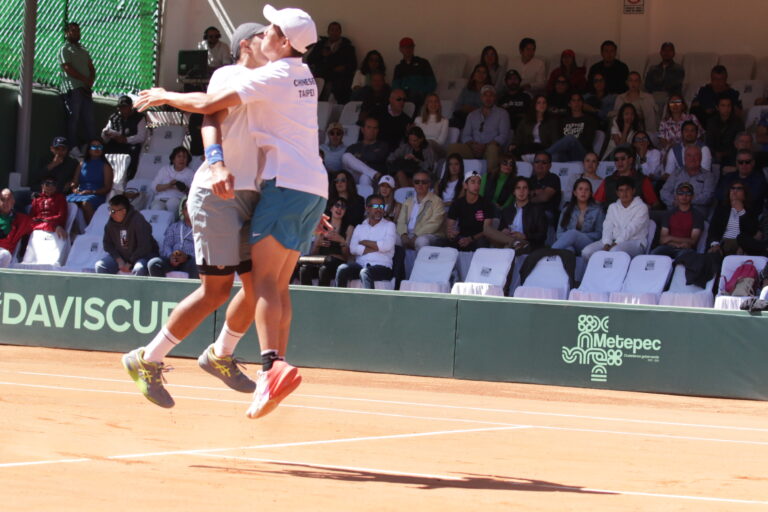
(323, 114)
(454, 134)
(646, 279)
(605, 274)
(447, 65)
(149, 164)
(487, 274)
(98, 221)
(730, 264)
(160, 220)
(432, 270)
(475, 164)
(650, 235)
(749, 91)
(605, 169)
(740, 66)
(86, 250)
(687, 295)
(165, 138)
(74, 215)
(351, 134)
(450, 89)
(597, 143)
(524, 169)
(364, 191)
(447, 107)
(146, 192)
(350, 113)
(753, 115)
(402, 194)
(409, 108)
(119, 163)
(698, 66)
(547, 280)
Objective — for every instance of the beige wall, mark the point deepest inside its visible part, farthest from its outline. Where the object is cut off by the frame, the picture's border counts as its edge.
(465, 27)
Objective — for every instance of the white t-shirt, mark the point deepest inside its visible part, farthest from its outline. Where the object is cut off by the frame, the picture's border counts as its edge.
(434, 130)
(165, 175)
(285, 123)
(241, 156)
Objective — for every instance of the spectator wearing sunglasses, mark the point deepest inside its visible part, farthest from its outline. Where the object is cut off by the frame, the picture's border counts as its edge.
(92, 180)
(128, 240)
(334, 147)
(332, 246)
(682, 226)
(752, 178)
(218, 51)
(125, 133)
(343, 186)
(393, 121)
(421, 218)
(735, 226)
(702, 181)
(49, 209)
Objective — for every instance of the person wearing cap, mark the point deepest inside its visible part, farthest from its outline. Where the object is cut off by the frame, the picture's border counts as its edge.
(667, 77)
(294, 183)
(513, 99)
(702, 180)
(60, 164)
(219, 53)
(386, 190)
(532, 69)
(614, 71)
(77, 77)
(333, 59)
(125, 133)
(13, 227)
(485, 132)
(467, 215)
(220, 229)
(413, 74)
(573, 73)
(682, 225)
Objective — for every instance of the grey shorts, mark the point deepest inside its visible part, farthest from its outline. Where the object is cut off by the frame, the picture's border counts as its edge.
(221, 227)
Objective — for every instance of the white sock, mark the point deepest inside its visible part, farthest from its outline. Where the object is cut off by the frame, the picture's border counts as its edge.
(226, 342)
(159, 347)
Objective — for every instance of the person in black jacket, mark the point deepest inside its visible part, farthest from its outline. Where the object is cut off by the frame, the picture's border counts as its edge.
(735, 228)
(128, 240)
(525, 232)
(333, 59)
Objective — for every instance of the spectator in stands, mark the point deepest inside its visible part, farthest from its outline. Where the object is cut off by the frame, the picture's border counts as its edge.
(467, 215)
(49, 209)
(332, 244)
(416, 154)
(743, 140)
(644, 104)
(665, 78)
(489, 58)
(469, 99)
(523, 225)
(500, 187)
(13, 227)
(333, 59)
(558, 99)
(374, 97)
(387, 193)
(624, 159)
(513, 99)
(342, 185)
(599, 101)
(689, 137)
(394, 121)
(532, 69)
(545, 186)
(218, 52)
(77, 77)
(575, 75)
(753, 179)
(735, 228)
(431, 121)
(590, 163)
(625, 227)
(373, 245)
(722, 129)
(675, 114)
(682, 225)
(421, 218)
(648, 158)
(451, 184)
(577, 133)
(172, 181)
(704, 105)
(702, 180)
(413, 74)
(61, 166)
(486, 131)
(761, 136)
(92, 180)
(367, 159)
(128, 240)
(178, 250)
(125, 133)
(334, 147)
(613, 70)
(581, 222)
(373, 61)
(537, 131)
(623, 129)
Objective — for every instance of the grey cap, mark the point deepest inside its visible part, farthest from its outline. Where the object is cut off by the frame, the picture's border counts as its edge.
(242, 33)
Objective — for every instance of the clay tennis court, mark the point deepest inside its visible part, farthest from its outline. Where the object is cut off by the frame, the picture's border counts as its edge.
(76, 435)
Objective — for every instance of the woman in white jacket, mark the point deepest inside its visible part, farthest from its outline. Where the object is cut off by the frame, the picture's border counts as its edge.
(625, 227)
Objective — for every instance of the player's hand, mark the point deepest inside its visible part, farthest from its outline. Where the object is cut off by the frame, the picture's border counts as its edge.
(324, 225)
(222, 181)
(150, 98)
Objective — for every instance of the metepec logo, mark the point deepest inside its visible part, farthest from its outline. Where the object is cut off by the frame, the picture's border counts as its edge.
(596, 348)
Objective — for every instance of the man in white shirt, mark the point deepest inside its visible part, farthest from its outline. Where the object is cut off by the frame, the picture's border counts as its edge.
(218, 52)
(373, 245)
(532, 69)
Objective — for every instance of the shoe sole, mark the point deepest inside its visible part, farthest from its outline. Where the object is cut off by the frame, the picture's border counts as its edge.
(134, 374)
(213, 372)
(274, 401)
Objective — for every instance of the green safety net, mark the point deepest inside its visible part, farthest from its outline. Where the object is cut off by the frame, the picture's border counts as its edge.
(120, 35)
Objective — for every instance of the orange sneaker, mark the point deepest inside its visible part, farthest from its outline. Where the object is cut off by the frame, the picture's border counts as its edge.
(272, 387)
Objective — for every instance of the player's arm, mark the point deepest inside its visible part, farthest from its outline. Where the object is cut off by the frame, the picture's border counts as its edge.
(222, 181)
(197, 102)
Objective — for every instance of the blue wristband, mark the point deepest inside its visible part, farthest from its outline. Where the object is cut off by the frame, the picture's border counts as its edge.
(214, 153)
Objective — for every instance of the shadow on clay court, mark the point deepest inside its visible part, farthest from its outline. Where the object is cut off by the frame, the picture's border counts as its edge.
(462, 481)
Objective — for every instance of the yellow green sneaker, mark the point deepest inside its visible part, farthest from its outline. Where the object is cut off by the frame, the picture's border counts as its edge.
(227, 369)
(148, 377)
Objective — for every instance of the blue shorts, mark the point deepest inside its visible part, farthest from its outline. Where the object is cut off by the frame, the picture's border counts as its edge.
(290, 216)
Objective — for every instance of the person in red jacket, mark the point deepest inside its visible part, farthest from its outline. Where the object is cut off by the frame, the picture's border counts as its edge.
(49, 209)
(13, 226)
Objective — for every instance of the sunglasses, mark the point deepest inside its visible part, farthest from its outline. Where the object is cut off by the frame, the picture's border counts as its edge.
(421, 182)
(116, 210)
(377, 206)
(340, 205)
(743, 162)
(96, 148)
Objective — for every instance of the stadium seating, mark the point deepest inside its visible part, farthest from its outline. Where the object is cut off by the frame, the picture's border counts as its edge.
(605, 274)
(740, 66)
(86, 250)
(605, 168)
(524, 169)
(488, 273)
(350, 113)
(119, 163)
(749, 91)
(730, 264)
(351, 134)
(323, 114)
(403, 193)
(160, 220)
(650, 235)
(547, 280)
(144, 188)
(450, 89)
(645, 281)
(698, 66)
(687, 295)
(364, 191)
(165, 138)
(149, 164)
(449, 65)
(432, 270)
(753, 116)
(98, 221)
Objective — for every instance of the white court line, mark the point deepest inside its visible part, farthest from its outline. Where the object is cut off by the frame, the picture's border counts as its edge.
(427, 418)
(520, 483)
(441, 406)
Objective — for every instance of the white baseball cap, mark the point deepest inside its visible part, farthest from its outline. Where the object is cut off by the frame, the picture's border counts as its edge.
(296, 24)
(471, 174)
(389, 180)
